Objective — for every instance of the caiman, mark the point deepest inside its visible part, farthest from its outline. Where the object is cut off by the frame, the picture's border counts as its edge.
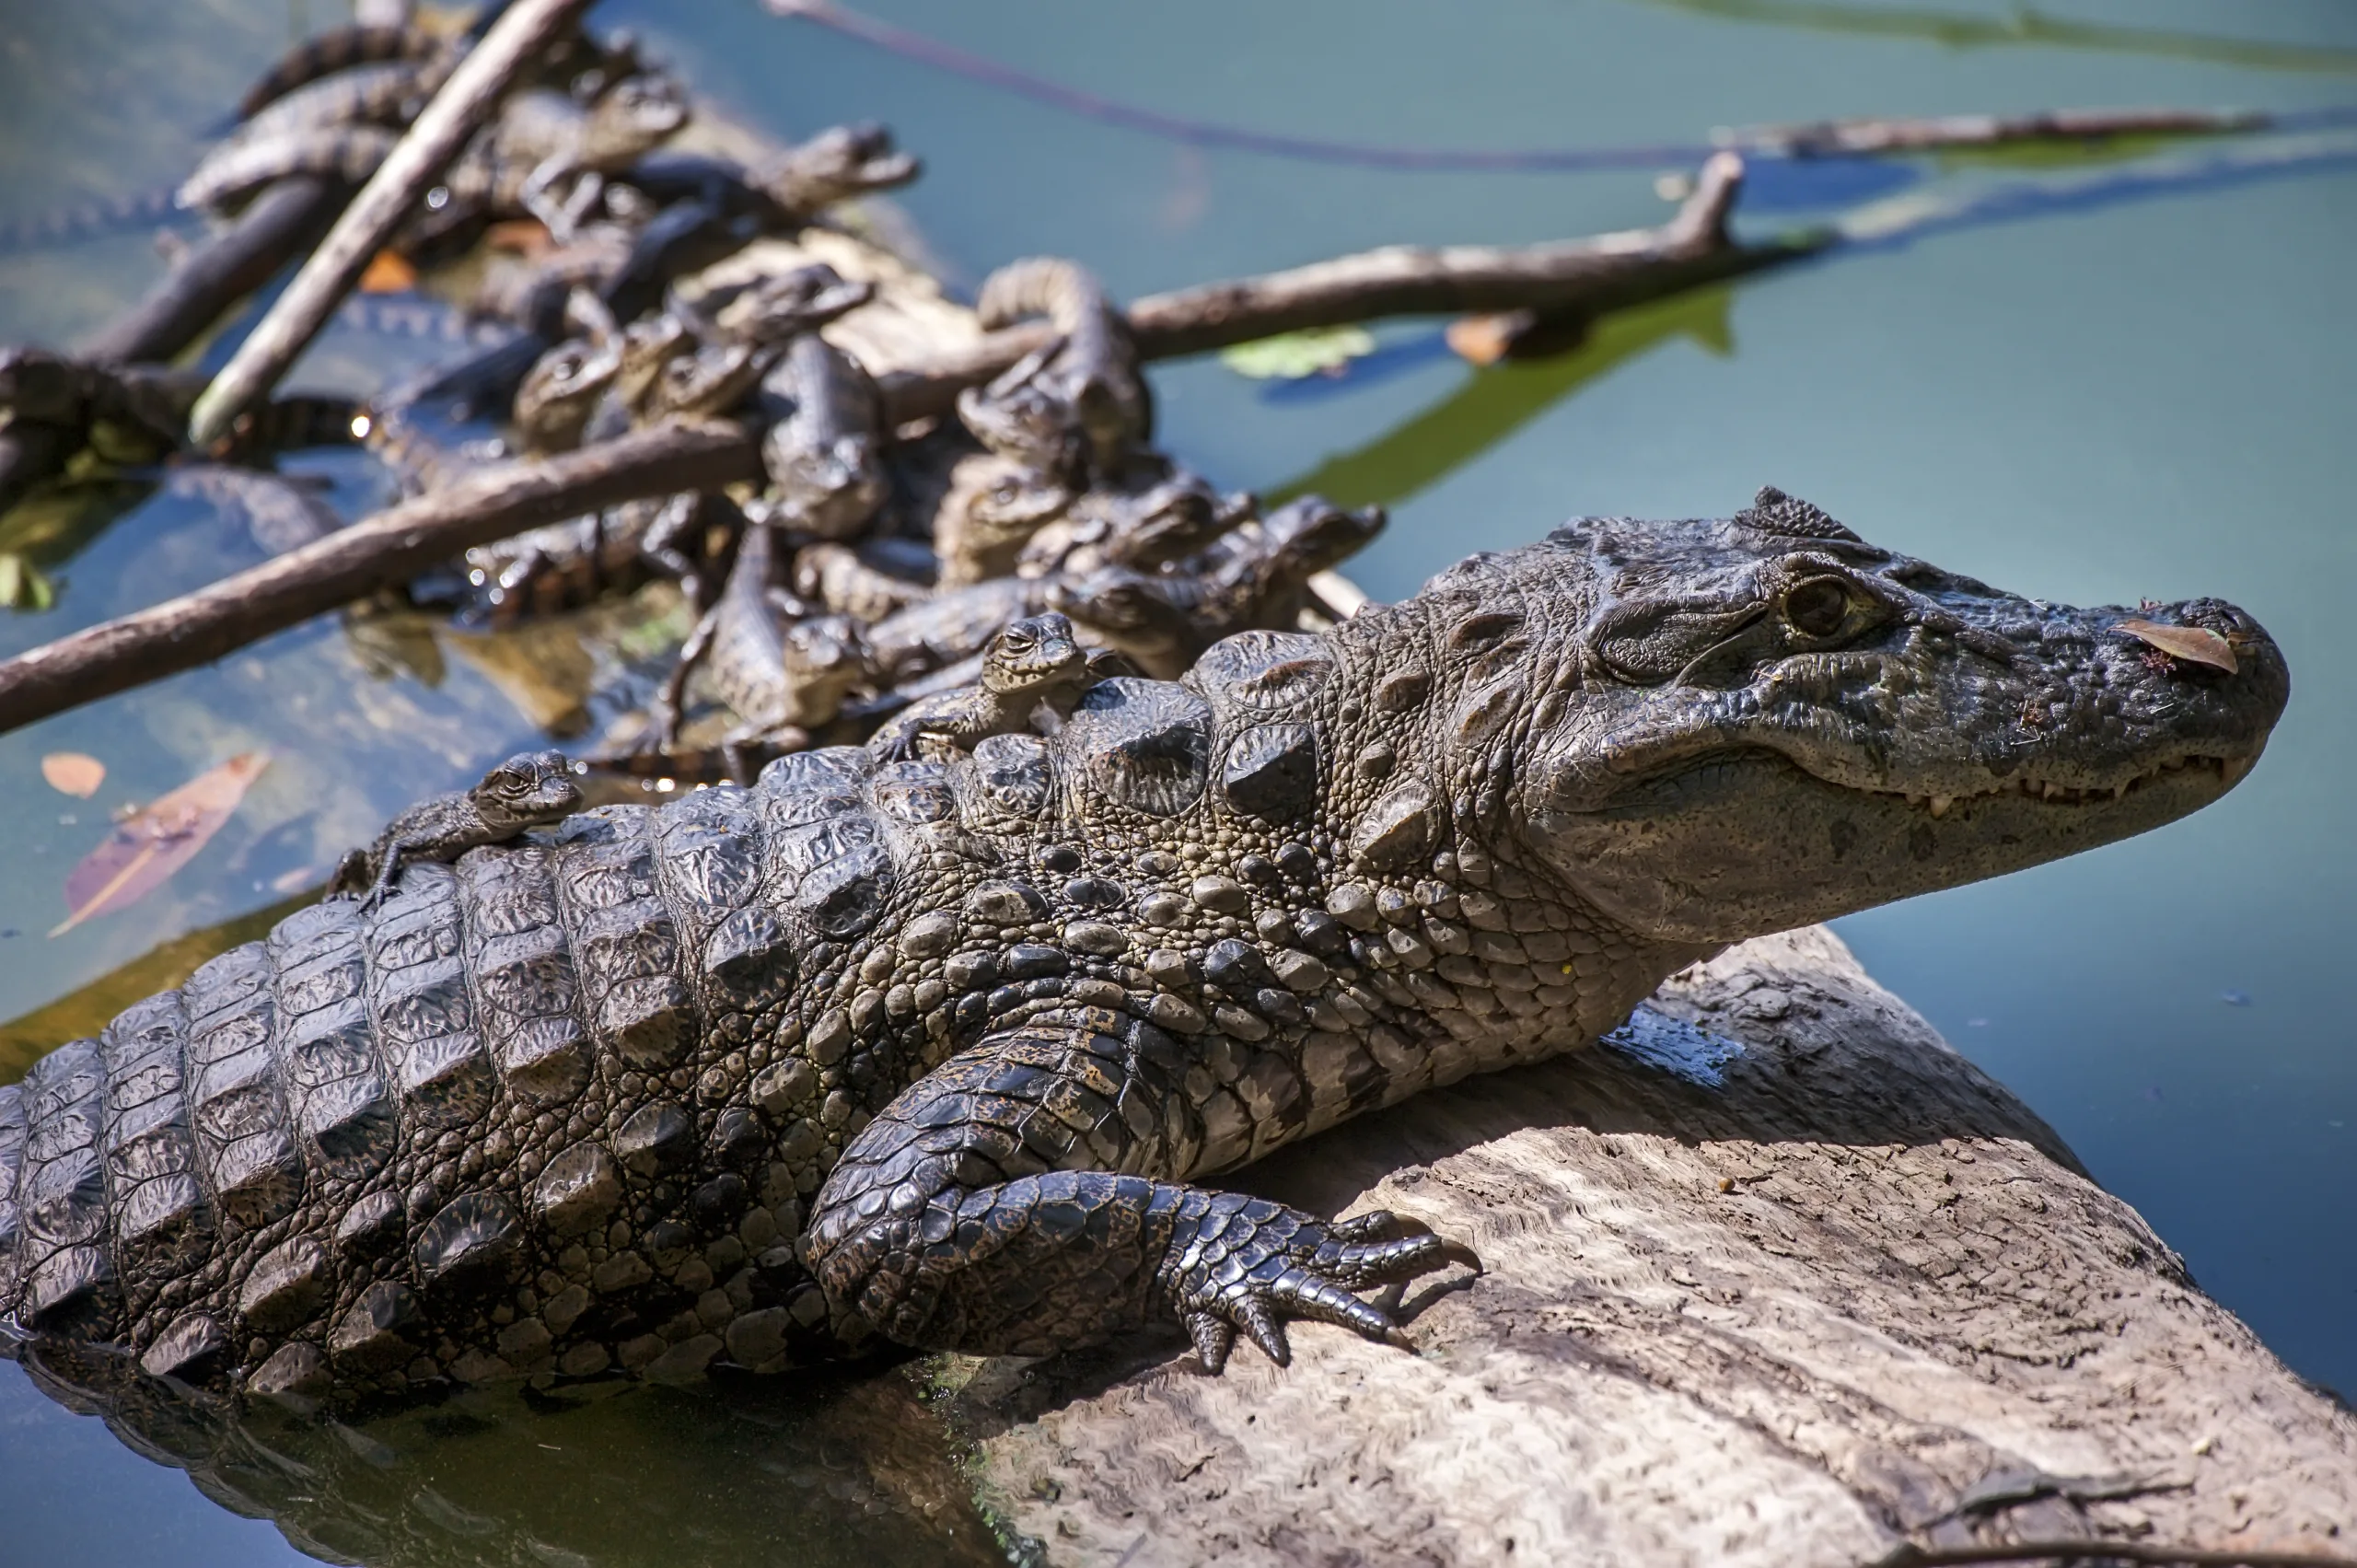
(967, 1038)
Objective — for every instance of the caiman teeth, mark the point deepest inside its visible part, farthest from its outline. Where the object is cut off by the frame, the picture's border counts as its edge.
(2229, 770)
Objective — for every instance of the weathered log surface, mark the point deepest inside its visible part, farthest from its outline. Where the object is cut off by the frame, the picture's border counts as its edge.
(1910, 1291)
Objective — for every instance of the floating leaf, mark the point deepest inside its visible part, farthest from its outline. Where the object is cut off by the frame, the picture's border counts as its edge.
(157, 841)
(389, 271)
(71, 772)
(522, 236)
(1289, 356)
(2195, 644)
(1485, 339)
(22, 586)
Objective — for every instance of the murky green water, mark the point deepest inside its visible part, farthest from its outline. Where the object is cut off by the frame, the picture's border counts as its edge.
(2142, 391)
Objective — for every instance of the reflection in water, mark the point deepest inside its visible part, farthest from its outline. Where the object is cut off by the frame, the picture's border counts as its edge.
(2023, 26)
(811, 1469)
(44, 531)
(83, 1012)
(1495, 402)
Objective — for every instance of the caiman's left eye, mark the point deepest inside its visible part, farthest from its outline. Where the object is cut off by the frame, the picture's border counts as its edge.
(1818, 608)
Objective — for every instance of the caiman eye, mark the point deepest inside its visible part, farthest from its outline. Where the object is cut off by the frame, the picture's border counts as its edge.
(1818, 608)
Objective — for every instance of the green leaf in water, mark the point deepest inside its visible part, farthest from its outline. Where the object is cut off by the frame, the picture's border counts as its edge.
(1289, 356)
(22, 584)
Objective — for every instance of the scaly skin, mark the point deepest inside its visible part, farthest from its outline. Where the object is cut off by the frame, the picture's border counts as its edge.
(235, 172)
(1031, 661)
(341, 50)
(825, 457)
(973, 1033)
(529, 790)
(785, 673)
(994, 508)
(838, 579)
(562, 391)
(386, 93)
(1155, 526)
(1077, 410)
(540, 139)
(138, 413)
(839, 164)
(1254, 576)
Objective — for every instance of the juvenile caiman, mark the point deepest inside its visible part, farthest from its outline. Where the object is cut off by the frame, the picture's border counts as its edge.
(966, 1036)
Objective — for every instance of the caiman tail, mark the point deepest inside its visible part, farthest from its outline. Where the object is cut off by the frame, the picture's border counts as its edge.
(345, 1144)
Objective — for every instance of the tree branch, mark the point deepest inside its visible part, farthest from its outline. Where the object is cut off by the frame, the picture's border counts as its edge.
(386, 548)
(417, 161)
(1834, 138)
(1586, 275)
(221, 270)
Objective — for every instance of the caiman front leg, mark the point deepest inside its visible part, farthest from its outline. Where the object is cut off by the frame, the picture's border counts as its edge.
(1006, 1204)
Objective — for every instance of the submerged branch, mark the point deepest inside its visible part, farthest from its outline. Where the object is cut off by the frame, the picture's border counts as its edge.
(1826, 139)
(221, 270)
(2092, 1550)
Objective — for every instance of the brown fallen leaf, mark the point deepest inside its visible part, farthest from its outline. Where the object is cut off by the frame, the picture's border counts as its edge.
(1485, 339)
(389, 271)
(71, 772)
(2195, 644)
(521, 237)
(157, 841)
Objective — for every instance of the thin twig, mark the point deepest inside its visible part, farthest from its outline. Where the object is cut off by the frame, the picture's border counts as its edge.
(379, 551)
(1829, 139)
(437, 137)
(1590, 275)
(220, 270)
(1587, 276)
(2086, 1551)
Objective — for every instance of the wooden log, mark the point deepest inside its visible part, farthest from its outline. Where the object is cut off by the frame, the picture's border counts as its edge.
(438, 134)
(390, 547)
(1856, 1298)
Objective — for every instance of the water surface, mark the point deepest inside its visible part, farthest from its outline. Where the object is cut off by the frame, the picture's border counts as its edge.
(2143, 393)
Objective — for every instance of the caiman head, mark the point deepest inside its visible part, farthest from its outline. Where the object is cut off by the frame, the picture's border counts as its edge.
(1730, 728)
(530, 788)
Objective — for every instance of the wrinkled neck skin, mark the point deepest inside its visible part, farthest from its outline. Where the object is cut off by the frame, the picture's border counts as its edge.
(1427, 736)
(1661, 738)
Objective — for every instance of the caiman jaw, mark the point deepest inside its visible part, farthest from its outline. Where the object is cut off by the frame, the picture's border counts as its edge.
(2228, 770)
(1736, 756)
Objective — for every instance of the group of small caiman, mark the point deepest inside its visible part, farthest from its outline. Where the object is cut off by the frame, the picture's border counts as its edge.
(1080, 845)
